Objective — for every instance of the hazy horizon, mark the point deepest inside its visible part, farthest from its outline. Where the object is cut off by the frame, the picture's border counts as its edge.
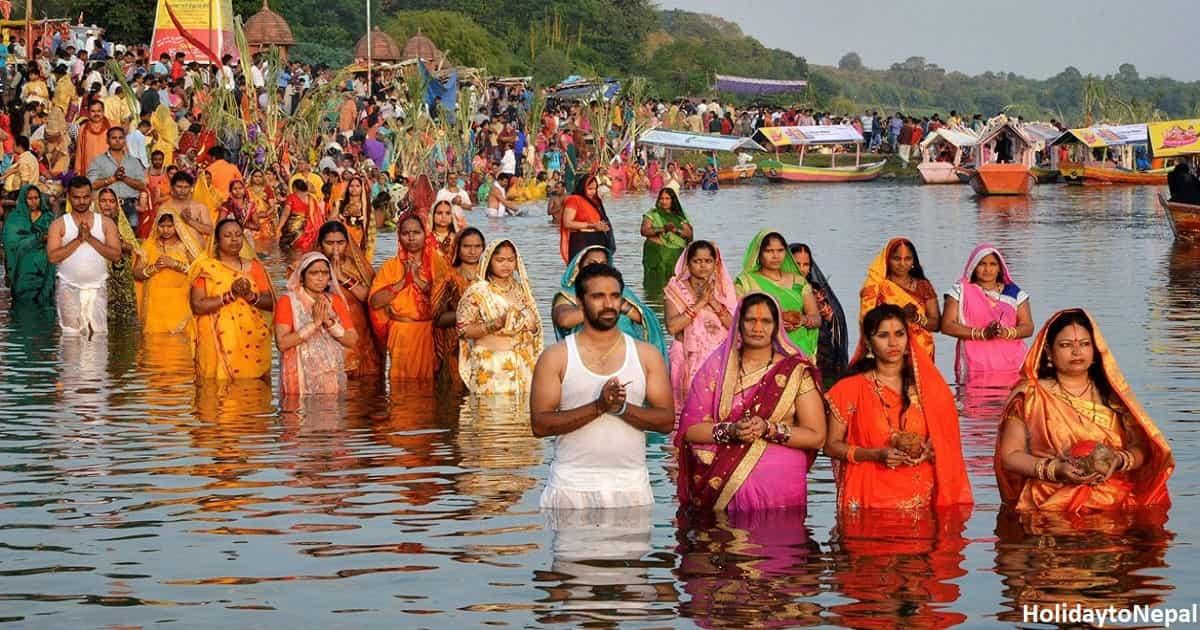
(1093, 37)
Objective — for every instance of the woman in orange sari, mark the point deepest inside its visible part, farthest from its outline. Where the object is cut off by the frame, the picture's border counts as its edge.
(354, 276)
(402, 303)
(464, 269)
(1074, 438)
(231, 299)
(353, 209)
(268, 215)
(896, 277)
(441, 229)
(584, 221)
(893, 427)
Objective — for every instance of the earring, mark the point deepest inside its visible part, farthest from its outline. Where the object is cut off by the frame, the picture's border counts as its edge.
(870, 353)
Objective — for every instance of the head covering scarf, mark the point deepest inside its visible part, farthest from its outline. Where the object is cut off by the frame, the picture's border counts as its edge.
(789, 299)
(1002, 357)
(710, 474)
(833, 343)
(448, 245)
(1054, 427)
(362, 229)
(588, 209)
(649, 331)
(29, 273)
(317, 364)
(480, 301)
(706, 331)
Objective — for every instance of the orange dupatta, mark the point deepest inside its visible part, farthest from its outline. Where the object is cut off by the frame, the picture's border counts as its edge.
(877, 289)
(855, 403)
(1054, 427)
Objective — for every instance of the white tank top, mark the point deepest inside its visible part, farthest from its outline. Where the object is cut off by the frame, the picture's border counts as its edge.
(603, 463)
(85, 268)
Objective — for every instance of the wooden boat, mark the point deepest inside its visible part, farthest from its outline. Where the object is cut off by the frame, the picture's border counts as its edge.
(1184, 218)
(991, 177)
(736, 174)
(777, 171)
(1096, 174)
(1044, 175)
(958, 141)
(816, 135)
(1001, 179)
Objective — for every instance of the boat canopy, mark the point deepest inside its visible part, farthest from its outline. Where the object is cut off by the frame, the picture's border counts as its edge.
(999, 124)
(1104, 136)
(810, 134)
(1174, 137)
(959, 137)
(1041, 133)
(698, 141)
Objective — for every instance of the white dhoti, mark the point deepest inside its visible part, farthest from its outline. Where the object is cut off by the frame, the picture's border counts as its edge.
(82, 311)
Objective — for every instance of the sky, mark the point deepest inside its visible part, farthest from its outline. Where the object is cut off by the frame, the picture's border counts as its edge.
(1034, 38)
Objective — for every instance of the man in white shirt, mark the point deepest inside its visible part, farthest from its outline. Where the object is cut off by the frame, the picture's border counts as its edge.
(599, 391)
(460, 201)
(137, 140)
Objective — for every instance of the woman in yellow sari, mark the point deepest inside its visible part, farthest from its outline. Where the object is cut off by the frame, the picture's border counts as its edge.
(167, 134)
(163, 271)
(231, 298)
(896, 277)
(464, 269)
(501, 332)
(354, 276)
(1074, 438)
(402, 304)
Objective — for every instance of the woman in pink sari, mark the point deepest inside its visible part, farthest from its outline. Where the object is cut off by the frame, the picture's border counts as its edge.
(654, 176)
(700, 301)
(990, 316)
(753, 420)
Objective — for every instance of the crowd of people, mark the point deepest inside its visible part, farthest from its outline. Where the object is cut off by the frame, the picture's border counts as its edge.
(162, 225)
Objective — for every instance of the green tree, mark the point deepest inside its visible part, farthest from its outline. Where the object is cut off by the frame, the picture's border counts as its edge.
(551, 66)
(850, 61)
(681, 68)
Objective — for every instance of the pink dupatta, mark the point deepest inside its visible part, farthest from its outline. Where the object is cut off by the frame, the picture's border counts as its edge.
(705, 333)
(994, 358)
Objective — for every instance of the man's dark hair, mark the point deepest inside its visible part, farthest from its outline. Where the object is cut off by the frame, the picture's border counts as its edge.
(79, 181)
(22, 142)
(181, 176)
(596, 270)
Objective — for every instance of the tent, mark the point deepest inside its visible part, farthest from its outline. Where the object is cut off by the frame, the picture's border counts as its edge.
(698, 141)
(750, 86)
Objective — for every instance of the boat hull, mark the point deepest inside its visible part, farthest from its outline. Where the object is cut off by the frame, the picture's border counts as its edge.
(1184, 218)
(1045, 175)
(938, 173)
(1002, 179)
(1077, 173)
(778, 172)
(736, 174)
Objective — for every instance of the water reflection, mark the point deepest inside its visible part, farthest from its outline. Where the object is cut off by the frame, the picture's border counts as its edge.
(1095, 561)
(749, 569)
(900, 567)
(600, 570)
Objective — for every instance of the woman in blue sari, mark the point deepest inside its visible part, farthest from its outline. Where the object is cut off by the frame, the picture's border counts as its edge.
(636, 320)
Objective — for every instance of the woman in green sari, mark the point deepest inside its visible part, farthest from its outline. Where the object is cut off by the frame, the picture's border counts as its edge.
(636, 320)
(768, 267)
(30, 274)
(668, 232)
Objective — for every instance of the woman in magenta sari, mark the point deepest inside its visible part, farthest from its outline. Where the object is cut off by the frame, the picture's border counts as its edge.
(753, 419)
(990, 316)
(700, 301)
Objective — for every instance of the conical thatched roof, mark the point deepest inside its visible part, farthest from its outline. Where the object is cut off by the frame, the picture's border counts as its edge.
(268, 28)
(383, 47)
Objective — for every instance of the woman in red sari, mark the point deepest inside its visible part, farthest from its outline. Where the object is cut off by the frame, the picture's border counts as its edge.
(896, 277)
(304, 219)
(1074, 438)
(893, 425)
(753, 420)
(584, 221)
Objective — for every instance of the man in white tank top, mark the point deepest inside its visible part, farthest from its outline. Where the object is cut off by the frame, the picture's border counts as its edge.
(81, 243)
(498, 205)
(599, 391)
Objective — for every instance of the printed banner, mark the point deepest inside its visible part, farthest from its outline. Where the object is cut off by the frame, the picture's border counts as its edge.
(207, 21)
(1175, 137)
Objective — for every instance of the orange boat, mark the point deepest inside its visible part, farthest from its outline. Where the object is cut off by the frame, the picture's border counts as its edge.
(1184, 218)
(1001, 179)
(1084, 173)
(1012, 176)
(736, 174)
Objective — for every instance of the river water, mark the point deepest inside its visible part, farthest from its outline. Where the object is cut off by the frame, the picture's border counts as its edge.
(131, 496)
